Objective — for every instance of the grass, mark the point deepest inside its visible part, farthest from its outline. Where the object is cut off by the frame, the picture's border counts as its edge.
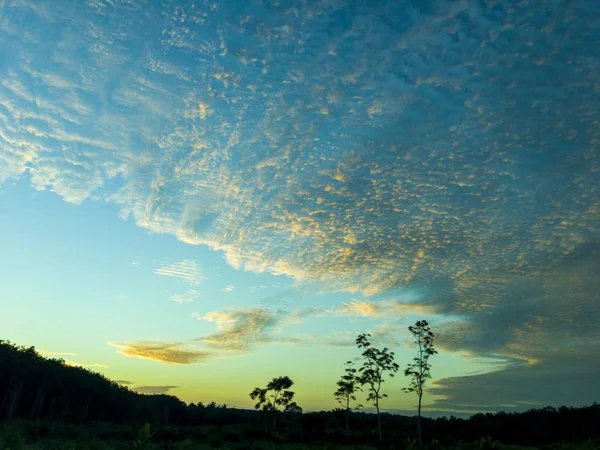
(42, 437)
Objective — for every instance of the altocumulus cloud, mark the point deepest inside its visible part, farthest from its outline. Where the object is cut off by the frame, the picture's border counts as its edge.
(432, 160)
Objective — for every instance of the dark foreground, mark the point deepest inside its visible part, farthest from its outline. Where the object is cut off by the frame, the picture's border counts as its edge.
(47, 404)
(30, 435)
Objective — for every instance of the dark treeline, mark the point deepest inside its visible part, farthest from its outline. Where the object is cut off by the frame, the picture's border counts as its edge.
(44, 390)
(39, 388)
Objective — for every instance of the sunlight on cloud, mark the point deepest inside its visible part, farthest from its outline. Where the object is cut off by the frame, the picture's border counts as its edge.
(384, 308)
(239, 328)
(165, 352)
(242, 329)
(153, 390)
(92, 365)
(431, 161)
(47, 353)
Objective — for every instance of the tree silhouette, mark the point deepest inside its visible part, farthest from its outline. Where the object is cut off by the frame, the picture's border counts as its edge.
(419, 370)
(376, 362)
(275, 398)
(347, 387)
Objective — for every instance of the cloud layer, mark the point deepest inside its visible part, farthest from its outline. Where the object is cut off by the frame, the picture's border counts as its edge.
(370, 148)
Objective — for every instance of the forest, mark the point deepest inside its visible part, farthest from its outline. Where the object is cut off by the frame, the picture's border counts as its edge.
(46, 403)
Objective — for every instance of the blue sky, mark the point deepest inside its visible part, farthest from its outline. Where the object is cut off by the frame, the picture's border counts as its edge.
(196, 197)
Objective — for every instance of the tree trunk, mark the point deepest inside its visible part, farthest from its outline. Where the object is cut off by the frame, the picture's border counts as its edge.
(167, 415)
(347, 414)
(52, 405)
(378, 420)
(36, 410)
(15, 399)
(419, 420)
(86, 408)
(4, 400)
(64, 414)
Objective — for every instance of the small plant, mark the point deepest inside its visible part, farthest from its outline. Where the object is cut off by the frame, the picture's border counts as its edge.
(141, 441)
(409, 444)
(12, 439)
(435, 444)
(487, 443)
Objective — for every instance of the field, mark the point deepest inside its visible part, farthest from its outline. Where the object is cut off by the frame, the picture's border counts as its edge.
(28, 435)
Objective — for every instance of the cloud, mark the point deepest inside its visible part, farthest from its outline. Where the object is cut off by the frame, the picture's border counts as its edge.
(187, 270)
(242, 329)
(229, 288)
(297, 316)
(519, 388)
(165, 352)
(47, 353)
(187, 297)
(456, 174)
(384, 308)
(124, 382)
(91, 365)
(239, 330)
(363, 309)
(341, 339)
(383, 334)
(153, 390)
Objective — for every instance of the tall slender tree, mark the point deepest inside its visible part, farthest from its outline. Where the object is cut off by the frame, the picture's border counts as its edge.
(419, 371)
(347, 387)
(376, 363)
(275, 398)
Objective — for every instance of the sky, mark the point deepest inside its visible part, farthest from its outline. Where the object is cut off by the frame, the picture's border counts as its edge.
(199, 196)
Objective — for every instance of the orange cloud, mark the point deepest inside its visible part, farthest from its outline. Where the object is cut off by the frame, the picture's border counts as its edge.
(165, 352)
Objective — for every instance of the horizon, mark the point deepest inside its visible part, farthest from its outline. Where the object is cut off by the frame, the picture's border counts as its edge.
(198, 197)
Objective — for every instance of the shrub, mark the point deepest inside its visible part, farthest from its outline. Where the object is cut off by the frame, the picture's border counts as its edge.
(487, 443)
(11, 437)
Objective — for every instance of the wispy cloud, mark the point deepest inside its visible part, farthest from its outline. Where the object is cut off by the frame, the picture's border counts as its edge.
(187, 297)
(341, 339)
(297, 316)
(242, 329)
(229, 288)
(48, 353)
(165, 352)
(239, 329)
(187, 270)
(383, 334)
(153, 390)
(91, 365)
(384, 308)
